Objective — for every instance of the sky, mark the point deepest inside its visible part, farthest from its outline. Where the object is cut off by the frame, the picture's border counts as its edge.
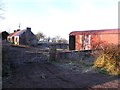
(59, 17)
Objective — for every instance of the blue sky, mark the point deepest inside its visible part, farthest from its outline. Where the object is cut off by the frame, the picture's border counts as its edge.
(59, 17)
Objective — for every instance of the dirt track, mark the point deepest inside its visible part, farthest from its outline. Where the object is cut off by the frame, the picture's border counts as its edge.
(49, 75)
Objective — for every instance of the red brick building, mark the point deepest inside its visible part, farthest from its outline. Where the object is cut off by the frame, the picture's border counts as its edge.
(92, 39)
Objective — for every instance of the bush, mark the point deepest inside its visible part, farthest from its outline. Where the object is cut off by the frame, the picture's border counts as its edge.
(109, 59)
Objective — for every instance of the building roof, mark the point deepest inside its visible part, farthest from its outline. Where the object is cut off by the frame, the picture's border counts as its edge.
(103, 31)
(17, 33)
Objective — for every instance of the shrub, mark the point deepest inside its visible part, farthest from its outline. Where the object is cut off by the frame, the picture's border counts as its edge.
(109, 59)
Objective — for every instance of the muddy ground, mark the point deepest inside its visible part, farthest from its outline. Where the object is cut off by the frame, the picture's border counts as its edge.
(51, 74)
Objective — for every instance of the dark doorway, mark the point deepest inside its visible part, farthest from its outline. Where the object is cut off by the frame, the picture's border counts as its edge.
(72, 42)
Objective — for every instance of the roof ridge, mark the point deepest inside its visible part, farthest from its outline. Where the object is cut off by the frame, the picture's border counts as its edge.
(95, 31)
(17, 33)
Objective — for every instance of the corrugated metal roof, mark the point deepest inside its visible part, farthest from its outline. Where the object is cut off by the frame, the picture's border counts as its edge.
(103, 31)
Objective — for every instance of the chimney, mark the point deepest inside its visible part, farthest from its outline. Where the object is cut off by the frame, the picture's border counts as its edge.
(18, 29)
(14, 30)
(28, 28)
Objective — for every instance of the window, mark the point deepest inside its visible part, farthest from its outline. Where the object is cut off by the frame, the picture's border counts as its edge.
(16, 39)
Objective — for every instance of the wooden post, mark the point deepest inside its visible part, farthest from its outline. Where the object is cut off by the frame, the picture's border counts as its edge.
(52, 53)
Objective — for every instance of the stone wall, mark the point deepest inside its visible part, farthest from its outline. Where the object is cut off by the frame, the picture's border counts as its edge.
(75, 55)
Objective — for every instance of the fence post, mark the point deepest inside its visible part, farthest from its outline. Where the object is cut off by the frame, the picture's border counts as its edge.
(52, 53)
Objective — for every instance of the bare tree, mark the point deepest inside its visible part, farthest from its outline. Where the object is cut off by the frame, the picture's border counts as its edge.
(40, 35)
(1, 11)
(55, 39)
(62, 40)
(59, 39)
